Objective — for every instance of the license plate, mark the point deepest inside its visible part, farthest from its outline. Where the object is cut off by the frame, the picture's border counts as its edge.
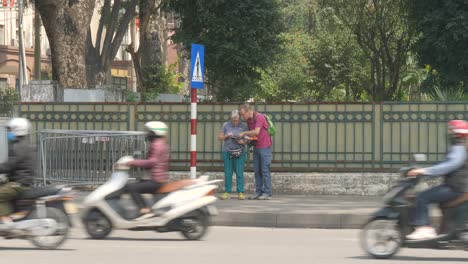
(71, 208)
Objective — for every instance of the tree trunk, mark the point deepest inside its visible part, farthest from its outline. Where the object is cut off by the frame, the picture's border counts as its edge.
(66, 24)
(152, 49)
(113, 25)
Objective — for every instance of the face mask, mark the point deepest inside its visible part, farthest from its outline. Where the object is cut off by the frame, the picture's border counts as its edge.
(11, 136)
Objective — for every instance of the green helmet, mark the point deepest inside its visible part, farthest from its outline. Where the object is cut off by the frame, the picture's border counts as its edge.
(157, 127)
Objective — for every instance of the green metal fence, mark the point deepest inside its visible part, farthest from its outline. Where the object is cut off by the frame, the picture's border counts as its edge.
(310, 137)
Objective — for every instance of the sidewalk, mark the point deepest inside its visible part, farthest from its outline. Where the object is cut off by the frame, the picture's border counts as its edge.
(293, 211)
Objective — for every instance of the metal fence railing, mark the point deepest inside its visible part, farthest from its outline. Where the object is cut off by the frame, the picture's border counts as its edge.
(310, 136)
(3, 143)
(84, 157)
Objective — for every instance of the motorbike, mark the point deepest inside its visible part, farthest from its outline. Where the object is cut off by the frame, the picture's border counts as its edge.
(40, 216)
(385, 232)
(185, 206)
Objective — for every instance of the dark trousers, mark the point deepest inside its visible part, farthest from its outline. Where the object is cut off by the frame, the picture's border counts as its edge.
(8, 192)
(137, 188)
(438, 194)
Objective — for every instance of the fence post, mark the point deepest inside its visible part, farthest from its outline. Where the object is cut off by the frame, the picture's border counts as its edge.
(377, 133)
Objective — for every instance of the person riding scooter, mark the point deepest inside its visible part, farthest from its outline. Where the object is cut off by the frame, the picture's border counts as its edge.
(19, 168)
(157, 164)
(455, 171)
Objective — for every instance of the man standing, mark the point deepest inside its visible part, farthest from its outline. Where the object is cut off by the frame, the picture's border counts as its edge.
(258, 127)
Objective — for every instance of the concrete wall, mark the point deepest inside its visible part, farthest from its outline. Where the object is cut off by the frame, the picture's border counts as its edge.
(41, 91)
(364, 184)
(48, 91)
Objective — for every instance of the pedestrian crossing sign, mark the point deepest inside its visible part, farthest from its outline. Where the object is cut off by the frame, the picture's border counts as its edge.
(197, 63)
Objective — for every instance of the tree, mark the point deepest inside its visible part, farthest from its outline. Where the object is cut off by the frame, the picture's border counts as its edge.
(338, 65)
(66, 23)
(287, 77)
(384, 35)
(240, 38)
(150, 57)
(113, 25)
(443, 44)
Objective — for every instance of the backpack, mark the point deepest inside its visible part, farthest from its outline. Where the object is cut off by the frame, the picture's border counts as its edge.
(271, 126)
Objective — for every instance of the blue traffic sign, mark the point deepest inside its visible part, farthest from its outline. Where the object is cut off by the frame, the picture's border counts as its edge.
(197, 64)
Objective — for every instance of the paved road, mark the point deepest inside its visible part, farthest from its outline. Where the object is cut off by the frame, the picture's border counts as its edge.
(223, 245)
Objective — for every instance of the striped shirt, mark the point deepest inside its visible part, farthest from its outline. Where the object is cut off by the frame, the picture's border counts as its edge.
(157, 162)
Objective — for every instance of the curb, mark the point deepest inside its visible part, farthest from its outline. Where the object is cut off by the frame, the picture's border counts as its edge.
(281, 220)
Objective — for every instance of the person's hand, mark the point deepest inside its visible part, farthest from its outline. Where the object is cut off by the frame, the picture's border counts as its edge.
(241, 134)
(415, 172)
(229, 135)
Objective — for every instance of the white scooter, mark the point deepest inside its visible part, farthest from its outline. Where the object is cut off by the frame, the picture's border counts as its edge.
(185, 206)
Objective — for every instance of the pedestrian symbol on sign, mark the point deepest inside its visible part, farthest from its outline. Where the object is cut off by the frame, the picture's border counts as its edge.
(197, 71)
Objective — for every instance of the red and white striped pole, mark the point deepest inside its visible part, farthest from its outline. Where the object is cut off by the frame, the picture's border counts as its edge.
(196, 82)
(193, 134)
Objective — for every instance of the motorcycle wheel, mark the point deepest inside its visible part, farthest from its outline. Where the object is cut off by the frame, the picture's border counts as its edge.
(55, 240)
(195, 225)
(97, 225)
(381, 238)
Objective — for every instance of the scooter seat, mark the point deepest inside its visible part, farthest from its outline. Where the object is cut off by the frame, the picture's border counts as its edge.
(456, 202)
(38, 192)
(176, 185)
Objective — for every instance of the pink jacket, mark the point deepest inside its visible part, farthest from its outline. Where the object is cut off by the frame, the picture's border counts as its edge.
(157, 161)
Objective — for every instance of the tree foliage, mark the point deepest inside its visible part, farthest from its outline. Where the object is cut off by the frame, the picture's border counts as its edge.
(240, 37)
(384, 35)
(444, 38)
(160, 79)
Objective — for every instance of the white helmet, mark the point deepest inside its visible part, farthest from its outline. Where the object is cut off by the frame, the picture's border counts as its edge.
(157, 127)
(19, 126)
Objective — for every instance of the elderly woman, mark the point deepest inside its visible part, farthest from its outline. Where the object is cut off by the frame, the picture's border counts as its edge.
(233, 154)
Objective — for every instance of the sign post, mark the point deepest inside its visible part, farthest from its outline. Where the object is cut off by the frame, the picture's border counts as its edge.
(197, 77)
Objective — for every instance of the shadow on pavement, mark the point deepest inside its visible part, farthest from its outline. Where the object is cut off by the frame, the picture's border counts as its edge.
(407, 258)
(34, 248)
(134, 239)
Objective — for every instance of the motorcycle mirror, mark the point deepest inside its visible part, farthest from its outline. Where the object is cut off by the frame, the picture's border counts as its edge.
(420, 157)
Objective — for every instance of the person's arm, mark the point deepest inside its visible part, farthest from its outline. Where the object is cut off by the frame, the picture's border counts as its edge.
(242, 140)
(252, 133)
(259, 123)
(456, 158)
(149, 162)
(221, 135)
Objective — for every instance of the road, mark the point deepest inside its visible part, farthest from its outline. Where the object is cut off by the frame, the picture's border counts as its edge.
(223, 245)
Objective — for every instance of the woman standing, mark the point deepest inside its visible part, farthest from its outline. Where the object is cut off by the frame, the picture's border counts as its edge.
(233, 154)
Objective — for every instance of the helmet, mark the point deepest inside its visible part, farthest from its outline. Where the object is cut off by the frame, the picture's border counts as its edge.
(459, 128)
(19, 126)
(157, 128)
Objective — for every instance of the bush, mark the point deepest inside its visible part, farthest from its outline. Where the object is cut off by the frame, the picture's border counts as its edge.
(8, 99)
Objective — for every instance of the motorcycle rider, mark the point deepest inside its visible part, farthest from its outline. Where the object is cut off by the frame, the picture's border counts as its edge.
(157, 164)
(455, 172)
(19, 168)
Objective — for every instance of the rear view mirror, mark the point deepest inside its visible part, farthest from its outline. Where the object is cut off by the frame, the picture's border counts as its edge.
(420, 157)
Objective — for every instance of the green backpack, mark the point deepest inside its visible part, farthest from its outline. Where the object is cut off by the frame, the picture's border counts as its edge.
(271, 126)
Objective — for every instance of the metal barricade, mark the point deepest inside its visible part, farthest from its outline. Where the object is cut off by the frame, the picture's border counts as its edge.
(84, 157)
(3, 143)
